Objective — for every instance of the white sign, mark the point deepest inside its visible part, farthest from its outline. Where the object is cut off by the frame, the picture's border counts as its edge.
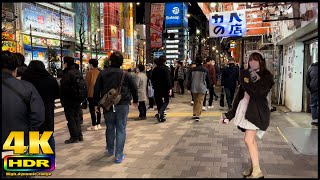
(229, 23)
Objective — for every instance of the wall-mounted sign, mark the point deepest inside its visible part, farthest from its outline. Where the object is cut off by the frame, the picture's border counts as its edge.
(225, 24)
(46, 21)
(9, 46)
(176, 15)
(7, 36)
(114, 38)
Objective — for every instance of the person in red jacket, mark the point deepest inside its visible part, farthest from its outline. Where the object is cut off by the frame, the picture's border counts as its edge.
(212, 72)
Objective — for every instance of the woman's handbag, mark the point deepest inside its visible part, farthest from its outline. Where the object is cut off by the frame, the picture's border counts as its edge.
(222, 98)
(150, 89)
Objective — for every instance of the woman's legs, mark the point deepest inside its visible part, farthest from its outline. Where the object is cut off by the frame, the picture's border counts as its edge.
(250, 140)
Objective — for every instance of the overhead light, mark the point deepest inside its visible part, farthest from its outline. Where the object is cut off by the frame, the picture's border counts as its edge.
(138, 3)
(188, 15)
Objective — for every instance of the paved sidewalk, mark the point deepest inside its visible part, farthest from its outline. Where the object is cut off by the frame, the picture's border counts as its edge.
(180, 147)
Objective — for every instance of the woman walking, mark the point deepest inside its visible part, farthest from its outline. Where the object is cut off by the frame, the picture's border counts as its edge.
(250, 110)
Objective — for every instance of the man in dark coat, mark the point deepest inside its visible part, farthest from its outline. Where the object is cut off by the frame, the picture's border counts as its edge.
(162, 84)
(23, 109)
(229, 79)
(71, 105)
(48, 89)
(312, 84)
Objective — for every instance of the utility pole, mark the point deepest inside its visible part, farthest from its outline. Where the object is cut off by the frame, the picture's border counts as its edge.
(148, 39)
(31, 42)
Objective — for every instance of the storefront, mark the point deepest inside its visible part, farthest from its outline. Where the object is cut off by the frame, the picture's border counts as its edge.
(41, 21)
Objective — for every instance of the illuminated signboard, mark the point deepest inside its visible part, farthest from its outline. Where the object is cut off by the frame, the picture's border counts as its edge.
(229, 23)
(9, 46)
(176, 15)
(46, 22)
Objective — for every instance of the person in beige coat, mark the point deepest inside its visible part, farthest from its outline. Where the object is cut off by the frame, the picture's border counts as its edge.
(91, 78)
(141, 80)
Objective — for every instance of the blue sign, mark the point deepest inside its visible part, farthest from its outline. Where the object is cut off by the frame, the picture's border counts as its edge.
(176, 15)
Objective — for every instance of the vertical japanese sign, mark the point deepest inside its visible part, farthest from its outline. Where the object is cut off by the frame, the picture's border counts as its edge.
(225, 24)
(156, 23)
(114, 39)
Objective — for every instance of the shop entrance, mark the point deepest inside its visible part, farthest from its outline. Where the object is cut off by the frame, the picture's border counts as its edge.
(310, 56)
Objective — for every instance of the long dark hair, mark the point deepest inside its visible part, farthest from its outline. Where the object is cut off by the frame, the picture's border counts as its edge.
(258, 57)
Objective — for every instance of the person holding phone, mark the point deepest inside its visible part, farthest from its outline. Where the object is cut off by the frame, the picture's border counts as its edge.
(250, 111)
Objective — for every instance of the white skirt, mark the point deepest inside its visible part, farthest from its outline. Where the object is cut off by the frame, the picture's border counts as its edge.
(241, 121)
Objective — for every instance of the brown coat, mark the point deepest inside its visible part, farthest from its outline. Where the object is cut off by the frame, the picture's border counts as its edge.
(212, 73)
(91, 78)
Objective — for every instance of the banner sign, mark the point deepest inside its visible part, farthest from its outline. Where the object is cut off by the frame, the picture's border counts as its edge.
(156, 23)
(114, 38)
(226, 24)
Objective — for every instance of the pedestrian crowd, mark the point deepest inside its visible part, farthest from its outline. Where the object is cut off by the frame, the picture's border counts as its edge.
(30, 92)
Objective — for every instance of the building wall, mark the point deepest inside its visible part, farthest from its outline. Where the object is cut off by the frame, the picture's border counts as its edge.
(293, 63)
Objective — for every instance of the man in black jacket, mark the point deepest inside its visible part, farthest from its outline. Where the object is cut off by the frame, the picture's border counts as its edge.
(229, 79)
(312, 84)
(71, 105)
(162, 84)
(23, 109)
(116, 118)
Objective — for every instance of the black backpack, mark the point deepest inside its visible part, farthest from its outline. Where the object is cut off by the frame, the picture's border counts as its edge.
(79, 89)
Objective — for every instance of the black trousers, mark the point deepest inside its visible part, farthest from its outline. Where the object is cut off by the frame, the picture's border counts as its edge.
(211, 94)
(161, 104)
(181, 85)
(142, 109)
(151, 102)
(72, 113)
(95, 116)
(229, 95)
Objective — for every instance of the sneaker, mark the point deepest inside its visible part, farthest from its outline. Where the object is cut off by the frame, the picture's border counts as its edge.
(314, 122)
(92, 128)
(192, 102)
(194, 117)
(121, 159)
(71, 140)
(99, 126)
(197, 118)
(210, 107)
(204, 108)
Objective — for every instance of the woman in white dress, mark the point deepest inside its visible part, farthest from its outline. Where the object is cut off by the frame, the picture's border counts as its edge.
(250, 110)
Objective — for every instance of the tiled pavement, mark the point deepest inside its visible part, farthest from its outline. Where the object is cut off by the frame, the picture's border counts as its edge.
(180, 147)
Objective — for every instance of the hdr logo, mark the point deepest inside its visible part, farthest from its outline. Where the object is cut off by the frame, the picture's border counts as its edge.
(175, 10)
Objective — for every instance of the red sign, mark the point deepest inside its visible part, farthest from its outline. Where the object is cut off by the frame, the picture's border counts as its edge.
(40, 19)
(156, 23)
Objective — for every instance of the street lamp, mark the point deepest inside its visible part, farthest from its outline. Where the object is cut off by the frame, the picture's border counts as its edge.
(198, 31)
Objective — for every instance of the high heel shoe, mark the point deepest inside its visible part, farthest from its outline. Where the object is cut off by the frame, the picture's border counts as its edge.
(247, 172)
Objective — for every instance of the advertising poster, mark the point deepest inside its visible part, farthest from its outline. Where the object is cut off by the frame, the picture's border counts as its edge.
(46, 21)
(156, 23)
(114, 39)
(226, 24)
(9, 46)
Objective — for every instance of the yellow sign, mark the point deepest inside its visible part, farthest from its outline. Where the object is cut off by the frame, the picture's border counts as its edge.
(7, 36)
(9, 46)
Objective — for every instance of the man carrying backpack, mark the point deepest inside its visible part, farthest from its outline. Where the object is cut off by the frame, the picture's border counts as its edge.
(121, 85)
(73, 92)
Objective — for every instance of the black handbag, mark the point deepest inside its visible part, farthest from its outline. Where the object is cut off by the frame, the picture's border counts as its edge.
(222, 98)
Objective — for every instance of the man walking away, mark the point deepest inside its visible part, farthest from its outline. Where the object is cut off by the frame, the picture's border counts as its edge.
(116, 118)
(199, 82)
(70, 93)
(23, 109)
(212, 72)
(141, 81)
(48, 88)
(91, 78)
(162, 84)
(312, 84)
(229, 79)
